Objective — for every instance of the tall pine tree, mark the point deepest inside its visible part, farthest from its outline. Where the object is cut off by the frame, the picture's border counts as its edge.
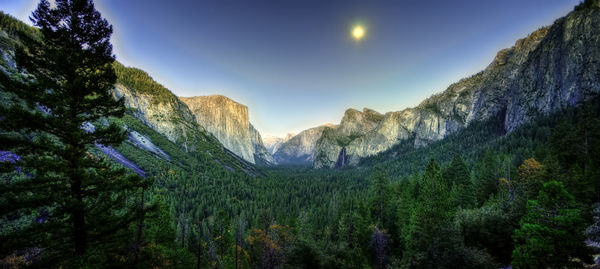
(381, 197)
(457, 174)
(68, 201)
(551, 233)
(428, 220)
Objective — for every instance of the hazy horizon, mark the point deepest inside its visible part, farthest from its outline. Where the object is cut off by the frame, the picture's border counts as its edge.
(297, 66)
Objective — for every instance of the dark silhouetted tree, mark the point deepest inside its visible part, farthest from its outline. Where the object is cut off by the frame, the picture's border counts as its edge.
(65, 101)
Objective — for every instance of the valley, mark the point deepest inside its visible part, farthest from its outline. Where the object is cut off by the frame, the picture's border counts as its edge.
(469, 178)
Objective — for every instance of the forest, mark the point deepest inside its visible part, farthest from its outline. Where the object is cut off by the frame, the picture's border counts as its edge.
(480, 198)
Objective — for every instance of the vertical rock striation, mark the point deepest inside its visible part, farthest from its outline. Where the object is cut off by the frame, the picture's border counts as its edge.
(229, 122)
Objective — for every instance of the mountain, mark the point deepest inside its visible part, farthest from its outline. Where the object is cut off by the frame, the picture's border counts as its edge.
(229, 122)
(300, 149)
(162, 112)
(273, 143)
(354, 125)
(552, 68)
(158, 108)
(162, 115)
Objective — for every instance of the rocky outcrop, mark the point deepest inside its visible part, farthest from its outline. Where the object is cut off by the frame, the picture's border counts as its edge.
(168, 116)
(145, 143)
(273, 143)
(333, 148)
(229, 122)
(261, 155)
(158, 108)
(153, 108)
(300, 149)
(552, 68)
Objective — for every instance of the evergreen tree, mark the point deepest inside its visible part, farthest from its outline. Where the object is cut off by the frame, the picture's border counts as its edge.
(381, 197)
(575, 150)
(70, 200)
(486, 178)
(551, 233)
(431, 214)
(458, 174)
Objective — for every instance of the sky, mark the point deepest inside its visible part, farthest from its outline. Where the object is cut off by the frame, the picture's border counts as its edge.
(295, 64)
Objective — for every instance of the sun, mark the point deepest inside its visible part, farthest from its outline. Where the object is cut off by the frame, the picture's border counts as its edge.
(358, 32)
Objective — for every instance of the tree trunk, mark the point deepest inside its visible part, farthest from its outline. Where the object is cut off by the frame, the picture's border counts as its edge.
(78, 212)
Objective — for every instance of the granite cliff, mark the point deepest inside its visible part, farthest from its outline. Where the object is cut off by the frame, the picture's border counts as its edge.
(300, 149)
(229, 122)
(552, 68)
(158, 108)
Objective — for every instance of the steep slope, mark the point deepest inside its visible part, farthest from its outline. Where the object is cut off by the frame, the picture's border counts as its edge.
(273, 143)
(334, 141)
(150, 105)
(158, 108)
(300, 149)
(229, 122)
(552, 68)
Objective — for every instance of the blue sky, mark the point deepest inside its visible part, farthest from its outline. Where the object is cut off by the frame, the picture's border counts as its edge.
(294, 63)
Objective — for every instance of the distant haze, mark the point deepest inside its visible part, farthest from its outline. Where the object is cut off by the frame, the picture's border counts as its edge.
(295, 64)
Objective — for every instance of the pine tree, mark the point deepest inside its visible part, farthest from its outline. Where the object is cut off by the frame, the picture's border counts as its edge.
(551, 233)
(70, 200)
(432, 210)
(458, 174)
(486, 178)
(381, 197)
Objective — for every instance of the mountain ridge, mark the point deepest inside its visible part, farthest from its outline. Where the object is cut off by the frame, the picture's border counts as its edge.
(272, 143)
(553, 67)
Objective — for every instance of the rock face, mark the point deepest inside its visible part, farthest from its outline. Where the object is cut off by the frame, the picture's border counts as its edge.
(150, 105)
(229, 122)
(300, 149)
(158, 108)
(552, 68)
(168, 116)
(273, 143)
(261, 155)
(145, 143)
(332, 148)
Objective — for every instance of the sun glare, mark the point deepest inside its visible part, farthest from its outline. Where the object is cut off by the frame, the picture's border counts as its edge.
(358, 32)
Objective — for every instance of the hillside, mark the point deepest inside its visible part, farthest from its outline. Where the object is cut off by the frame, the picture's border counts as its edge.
(500, 170)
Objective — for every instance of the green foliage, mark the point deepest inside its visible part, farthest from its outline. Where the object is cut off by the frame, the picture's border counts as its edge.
(340, 140)
(380, 198)
(71, 204)
(458, 177)
(139, 80)
(207, 209)
(486, 177)
(551, 232)
(432, 210)
(14, 27)
(488, 228)
(587, 4)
